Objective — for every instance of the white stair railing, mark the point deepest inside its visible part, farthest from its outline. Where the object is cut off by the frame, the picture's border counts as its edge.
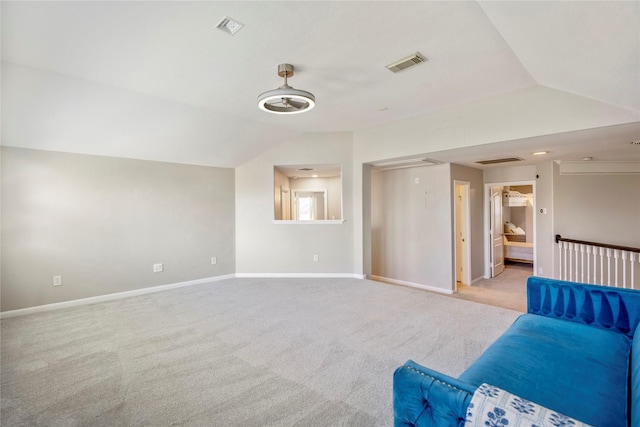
(598, 263)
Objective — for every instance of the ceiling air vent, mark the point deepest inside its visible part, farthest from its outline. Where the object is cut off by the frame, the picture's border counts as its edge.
(505, 160)
(229, 25)
(407, 62)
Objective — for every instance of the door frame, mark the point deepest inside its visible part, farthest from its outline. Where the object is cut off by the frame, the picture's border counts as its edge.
(487, 237)
(466, 247)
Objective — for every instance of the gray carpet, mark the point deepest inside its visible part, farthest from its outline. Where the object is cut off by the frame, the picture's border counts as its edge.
(239, 352)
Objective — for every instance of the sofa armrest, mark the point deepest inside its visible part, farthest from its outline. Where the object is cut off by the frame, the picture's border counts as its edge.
(603, 307)
(424, 397)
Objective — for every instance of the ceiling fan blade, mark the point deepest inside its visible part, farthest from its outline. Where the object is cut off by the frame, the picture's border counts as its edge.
(297, 104)
(277, 103)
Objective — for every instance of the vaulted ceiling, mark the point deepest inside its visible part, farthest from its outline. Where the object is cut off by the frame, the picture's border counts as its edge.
(157, 80)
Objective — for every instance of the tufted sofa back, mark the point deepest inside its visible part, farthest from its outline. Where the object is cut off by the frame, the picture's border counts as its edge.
(587, 304)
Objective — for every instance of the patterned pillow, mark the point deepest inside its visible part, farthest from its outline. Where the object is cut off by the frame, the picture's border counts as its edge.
(494, 407)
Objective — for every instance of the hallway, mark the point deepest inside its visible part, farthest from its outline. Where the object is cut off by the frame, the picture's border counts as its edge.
(507, 290)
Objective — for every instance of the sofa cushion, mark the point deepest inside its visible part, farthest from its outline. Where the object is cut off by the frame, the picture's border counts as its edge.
(572, 368)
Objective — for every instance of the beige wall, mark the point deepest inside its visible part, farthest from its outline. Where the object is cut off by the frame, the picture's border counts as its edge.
(599, 208)
(411, 226)
(102, 223)
(265, 246)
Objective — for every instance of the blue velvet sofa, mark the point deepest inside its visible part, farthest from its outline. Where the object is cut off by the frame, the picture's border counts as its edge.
(575, 351)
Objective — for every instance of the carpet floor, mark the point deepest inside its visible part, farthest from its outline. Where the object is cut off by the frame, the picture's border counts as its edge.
(508, 290)
(238, 352)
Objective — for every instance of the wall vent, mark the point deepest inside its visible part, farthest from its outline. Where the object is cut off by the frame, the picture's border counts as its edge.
(408, 62)
(505, 160)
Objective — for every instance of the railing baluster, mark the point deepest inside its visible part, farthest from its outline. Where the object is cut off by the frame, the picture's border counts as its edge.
(602, 266)
(588, 266)
(624, 269)
(595, 265)
(560, 259)
(582, 263)
(570, 262)
(608, 267)
(576, 248)
(615, 261)
(633, 267)
(567, 258)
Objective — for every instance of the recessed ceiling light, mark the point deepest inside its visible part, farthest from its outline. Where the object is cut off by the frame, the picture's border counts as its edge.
(229, 25)
(587, 159)
(314, 175)
(540, 153)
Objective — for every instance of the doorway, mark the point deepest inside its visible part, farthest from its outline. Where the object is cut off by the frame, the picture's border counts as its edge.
(510, 227)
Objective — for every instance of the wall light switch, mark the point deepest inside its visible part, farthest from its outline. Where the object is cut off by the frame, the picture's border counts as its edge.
(315, 258)
(57, 280)
(157, 268)
(214, 260)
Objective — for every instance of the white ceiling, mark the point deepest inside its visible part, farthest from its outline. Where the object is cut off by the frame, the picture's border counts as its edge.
(156, 80)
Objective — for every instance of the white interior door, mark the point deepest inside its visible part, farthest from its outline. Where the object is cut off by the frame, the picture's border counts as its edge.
(496, 231)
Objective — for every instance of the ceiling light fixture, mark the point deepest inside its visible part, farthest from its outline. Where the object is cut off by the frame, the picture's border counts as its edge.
(285, 99)
(540, 153)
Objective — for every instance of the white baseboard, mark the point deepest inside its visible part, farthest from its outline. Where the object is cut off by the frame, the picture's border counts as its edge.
(110, 297)
(476, 280)
(413, 285)
(135, 292)
(302, 275)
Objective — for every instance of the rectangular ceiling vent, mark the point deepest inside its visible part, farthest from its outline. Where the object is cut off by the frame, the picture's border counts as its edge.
(408, 62)
(405, 163)
(505, 160)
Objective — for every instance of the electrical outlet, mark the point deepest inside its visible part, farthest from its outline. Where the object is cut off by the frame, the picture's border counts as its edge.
(57, 280)
(157, 268)
(214, 260)
(315, 258)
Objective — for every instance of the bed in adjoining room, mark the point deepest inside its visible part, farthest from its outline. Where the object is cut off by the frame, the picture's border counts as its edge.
(515, 249)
